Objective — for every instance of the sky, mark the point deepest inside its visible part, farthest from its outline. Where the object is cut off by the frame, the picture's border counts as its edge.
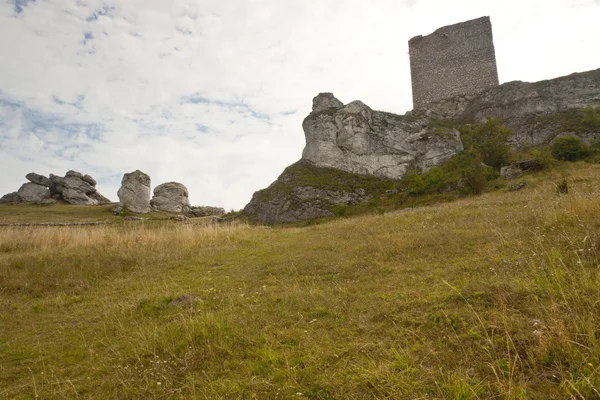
(212, 93)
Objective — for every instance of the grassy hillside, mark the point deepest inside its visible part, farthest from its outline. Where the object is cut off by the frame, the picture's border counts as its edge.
(493, 296)
(62, 212)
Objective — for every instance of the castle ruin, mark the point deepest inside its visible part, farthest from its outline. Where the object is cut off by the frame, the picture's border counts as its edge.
(454, 60)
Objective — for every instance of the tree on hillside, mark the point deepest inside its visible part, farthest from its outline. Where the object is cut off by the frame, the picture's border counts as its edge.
(489, 140)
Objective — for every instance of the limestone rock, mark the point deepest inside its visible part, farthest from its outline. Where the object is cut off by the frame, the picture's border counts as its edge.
(75, 190)
(180, 218)
(89, 179)
(170, 197)
(517, 186)
(511, 172)
(524, 107)
(356, 139)
(41, 180)
(289, 200)
(57, 180)
(32, 192)
(134, 218)
(205, 211)
(135, 192)
(74, 174)
(10, 198)
(324, 101)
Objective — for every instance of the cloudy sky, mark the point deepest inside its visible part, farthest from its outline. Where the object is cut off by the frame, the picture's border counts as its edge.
(212, 93)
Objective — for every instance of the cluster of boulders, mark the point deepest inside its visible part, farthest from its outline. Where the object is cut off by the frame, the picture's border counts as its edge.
(74, 188)
(172, 197)
(134, 194)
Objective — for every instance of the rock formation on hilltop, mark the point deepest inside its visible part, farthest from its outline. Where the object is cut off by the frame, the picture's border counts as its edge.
(536, 112)
(358, 140)
(171, 197)
(135, 192)
(77, 188)
(32, 192)
(74, 188)
(293, 198)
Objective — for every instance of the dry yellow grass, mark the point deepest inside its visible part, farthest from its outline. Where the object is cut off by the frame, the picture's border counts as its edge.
(495, 296)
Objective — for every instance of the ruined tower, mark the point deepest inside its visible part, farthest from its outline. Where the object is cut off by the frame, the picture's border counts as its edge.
(454, 60)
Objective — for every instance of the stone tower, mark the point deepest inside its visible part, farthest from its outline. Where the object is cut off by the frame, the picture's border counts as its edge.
(454, 60)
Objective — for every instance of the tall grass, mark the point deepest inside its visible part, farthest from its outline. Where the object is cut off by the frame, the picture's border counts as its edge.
(495, 296)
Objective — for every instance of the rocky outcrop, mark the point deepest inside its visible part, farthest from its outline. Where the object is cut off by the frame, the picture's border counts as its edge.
(171, 197)
(135, 192)
(306, 191)
(325, 101)
(33, 193)
(77, 190)
(534, 111)
(205, 211)
(356, 139)
(71, 188)
(300, 204)
(41, 180)
(10, 198)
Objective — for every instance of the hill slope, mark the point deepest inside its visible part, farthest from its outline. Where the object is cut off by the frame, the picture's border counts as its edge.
(495, 296)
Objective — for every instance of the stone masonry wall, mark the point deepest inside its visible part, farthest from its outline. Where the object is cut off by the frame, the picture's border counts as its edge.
(454, 60)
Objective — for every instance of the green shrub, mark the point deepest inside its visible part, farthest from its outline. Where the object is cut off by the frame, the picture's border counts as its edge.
(489, 140)
(464, 173)
(340, 210)
(591, 118)
(569, 148)
(415, 182)
(125, 212)
(543, 157)
(474, 173)
(563, 187)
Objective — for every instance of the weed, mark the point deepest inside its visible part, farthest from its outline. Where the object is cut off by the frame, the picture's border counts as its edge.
(563, 187)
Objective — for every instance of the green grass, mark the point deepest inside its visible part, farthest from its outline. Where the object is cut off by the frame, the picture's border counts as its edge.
(64, 213)
(493, 296)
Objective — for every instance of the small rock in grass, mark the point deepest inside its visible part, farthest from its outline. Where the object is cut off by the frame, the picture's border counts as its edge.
(517, 186)
(133, 218)
(511, 172)
(183, 300)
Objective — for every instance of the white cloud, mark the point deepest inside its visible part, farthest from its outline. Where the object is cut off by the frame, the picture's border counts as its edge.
(212, 93)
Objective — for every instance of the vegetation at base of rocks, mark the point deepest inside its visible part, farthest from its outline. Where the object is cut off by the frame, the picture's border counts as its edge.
(465, 173)
(474, 171)
(489, 140)
(569, 148)
(490, 297)
(583, 120)
(541, 155)
(65, 212)
(232, 214)
(306, 174)
(125, 211)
